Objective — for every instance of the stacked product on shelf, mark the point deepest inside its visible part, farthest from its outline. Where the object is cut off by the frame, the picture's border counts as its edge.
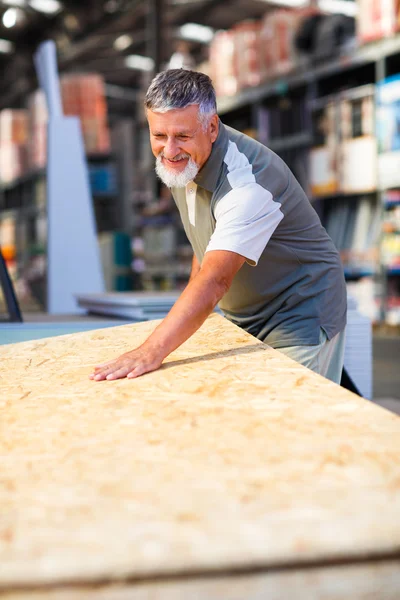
(135, 306)
(253, 52)
(162, 254)
(353, 224)
(278, 32)
(248, 59)
(377, 19)
(283, 126)
(390, 254)
(388, 138)
(83, 95)
(391, 239)
(13, 141)
(324, 155)
(162, 269)
(14, 246)
(23, 157)
(8, 241)
(388, 132)
(281, 119)
(358, 175)
(23, 133)
(38, 117)
(222, 63)
(343, 170)
(358, 148)
(116, 258)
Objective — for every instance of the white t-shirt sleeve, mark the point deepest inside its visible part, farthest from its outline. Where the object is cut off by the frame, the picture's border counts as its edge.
(245, 220)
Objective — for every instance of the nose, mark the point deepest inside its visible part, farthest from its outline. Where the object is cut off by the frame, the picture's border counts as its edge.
(171, 148)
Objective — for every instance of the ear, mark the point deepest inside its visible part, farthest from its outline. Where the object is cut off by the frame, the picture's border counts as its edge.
(214, 128)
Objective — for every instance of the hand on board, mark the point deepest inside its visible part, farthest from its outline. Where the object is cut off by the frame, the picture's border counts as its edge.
(131, 364)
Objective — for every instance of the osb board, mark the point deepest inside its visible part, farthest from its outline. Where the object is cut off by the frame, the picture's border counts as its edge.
(379, 581)
(230, 456)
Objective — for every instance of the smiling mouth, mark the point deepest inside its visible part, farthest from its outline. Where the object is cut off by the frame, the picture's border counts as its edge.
(175, 162)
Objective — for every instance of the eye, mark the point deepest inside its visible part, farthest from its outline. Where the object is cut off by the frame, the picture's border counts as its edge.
(159, 136)
(183, 138)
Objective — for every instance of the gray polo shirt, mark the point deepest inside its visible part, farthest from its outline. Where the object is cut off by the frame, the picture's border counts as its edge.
(246, 200)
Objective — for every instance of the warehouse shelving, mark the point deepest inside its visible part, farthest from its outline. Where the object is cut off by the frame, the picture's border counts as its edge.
(364, 66)
(138, 186)
(24, 202)
(312, 73)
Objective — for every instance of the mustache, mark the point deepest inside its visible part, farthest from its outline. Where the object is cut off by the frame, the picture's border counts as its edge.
(177, 157)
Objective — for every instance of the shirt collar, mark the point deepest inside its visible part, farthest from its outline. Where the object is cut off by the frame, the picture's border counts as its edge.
(208, 175)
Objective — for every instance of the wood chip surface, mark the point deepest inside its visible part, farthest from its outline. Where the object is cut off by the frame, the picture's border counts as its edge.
(231, 456)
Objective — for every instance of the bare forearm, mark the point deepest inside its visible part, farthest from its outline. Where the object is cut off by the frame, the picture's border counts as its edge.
(204, 290)
(190, 311)
(195, 268)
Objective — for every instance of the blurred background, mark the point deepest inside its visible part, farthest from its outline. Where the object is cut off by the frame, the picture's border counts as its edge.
(318, 81)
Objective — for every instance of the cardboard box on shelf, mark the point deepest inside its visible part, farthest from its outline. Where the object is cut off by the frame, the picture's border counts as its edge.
(83, 95)
(248, 54)
(387, 131)
(37, 143)
(222, 63)
(358, 147)
(13, 140)
(324, 158)
(277, 41)
(376, 19)
(278, 30)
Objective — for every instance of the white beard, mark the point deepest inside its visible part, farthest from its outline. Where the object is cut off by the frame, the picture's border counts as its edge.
(172, 179)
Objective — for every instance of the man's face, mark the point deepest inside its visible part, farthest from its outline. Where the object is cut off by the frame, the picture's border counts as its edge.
(180, 143)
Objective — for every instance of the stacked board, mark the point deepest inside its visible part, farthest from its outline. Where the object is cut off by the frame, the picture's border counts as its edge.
(139, 306)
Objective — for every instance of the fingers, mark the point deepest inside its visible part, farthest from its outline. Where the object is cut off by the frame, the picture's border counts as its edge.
(99, 369)
(131, 365)
(117, 371)
(106, 364)
(137, 371)
(114, 370)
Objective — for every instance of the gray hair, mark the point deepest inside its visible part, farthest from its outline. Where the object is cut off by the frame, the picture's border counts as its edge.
(179, 88)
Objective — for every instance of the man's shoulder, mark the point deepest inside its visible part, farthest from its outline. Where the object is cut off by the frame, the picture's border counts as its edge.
(244, 141)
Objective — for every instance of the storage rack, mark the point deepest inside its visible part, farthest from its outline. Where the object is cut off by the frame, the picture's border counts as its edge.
(368, 65)
(24, 200)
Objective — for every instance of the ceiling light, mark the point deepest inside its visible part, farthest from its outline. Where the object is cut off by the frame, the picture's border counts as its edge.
(142, 63)
(6, 47)
(123, 42)
(48, 7)
(196, 32)
(10, 17)
(344, 7)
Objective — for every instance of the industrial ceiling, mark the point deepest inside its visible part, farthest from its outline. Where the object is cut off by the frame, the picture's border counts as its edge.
(99, 35)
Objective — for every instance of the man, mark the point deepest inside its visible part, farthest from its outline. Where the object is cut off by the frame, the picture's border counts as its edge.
(260, 250)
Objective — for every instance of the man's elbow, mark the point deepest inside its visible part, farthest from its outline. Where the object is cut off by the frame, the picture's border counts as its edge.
(223, 283)
(219, 286)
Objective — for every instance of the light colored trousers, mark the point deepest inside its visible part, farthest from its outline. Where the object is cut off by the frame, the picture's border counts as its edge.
(326, 358)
